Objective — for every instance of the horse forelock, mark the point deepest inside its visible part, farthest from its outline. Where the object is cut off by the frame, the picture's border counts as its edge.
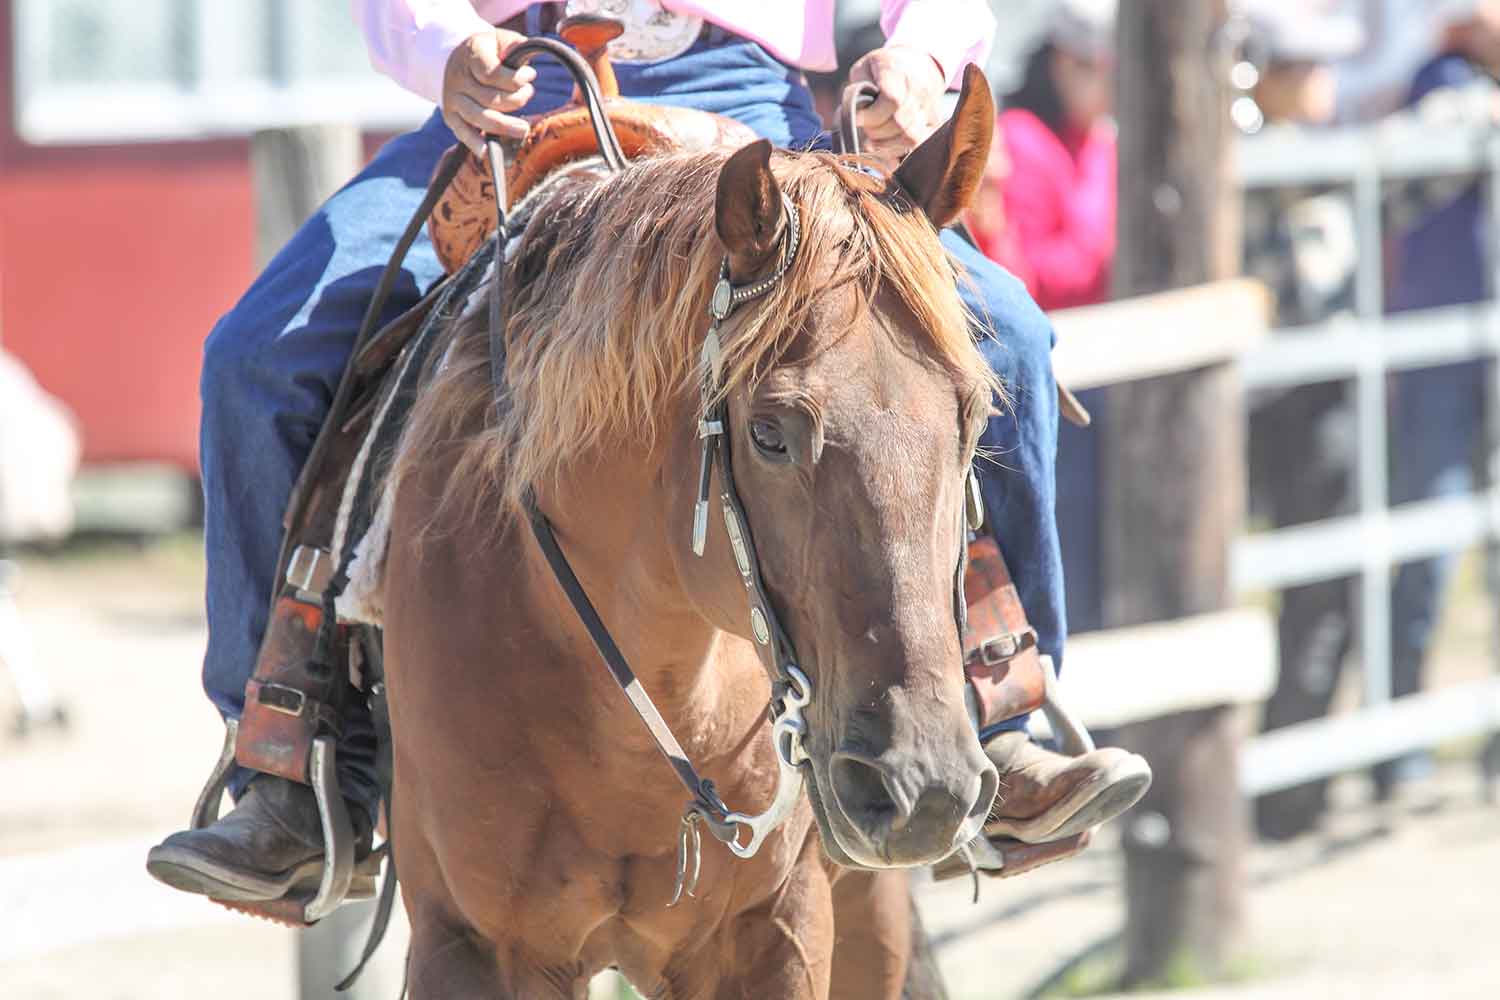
(607, 306)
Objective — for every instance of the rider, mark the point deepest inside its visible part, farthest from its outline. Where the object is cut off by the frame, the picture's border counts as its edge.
(272, 363)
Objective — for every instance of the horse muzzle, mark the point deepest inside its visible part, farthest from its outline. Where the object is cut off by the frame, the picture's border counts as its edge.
(895, 810)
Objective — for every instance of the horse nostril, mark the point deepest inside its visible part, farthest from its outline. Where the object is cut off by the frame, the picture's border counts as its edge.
(863, 793)
(989, 784)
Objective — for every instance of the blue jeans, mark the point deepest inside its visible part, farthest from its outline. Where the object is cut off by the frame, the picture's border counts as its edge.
(1017, 464)
(271, 366)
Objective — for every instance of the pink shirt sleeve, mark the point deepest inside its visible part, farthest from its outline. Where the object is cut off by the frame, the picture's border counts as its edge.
(954, 32)
(410, 40)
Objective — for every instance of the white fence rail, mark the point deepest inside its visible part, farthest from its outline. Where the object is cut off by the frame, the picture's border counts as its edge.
(1158, 335)
(1364, 349)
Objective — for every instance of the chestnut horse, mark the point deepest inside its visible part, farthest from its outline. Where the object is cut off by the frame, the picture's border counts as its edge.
(535, 825)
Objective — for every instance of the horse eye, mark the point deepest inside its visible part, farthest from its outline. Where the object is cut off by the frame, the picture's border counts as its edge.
(767, 437)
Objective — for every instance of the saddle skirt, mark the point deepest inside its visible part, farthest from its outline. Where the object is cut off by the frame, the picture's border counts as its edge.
(465, 217)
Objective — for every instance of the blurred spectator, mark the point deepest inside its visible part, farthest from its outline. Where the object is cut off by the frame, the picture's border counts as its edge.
(1301, 243)
(1058, 193)
(986, 215)
(1437, 418)
(1402, 35)
(1440, 258)
(39, 453)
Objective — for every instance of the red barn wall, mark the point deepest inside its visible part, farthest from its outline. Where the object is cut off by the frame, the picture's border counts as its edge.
(115, 262)
(113, 269)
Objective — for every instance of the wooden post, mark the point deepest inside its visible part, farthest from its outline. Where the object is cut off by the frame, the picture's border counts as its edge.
(1173, 476)
(294, 170)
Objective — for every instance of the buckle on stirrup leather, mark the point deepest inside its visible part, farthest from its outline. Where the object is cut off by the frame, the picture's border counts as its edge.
(283, 699)
(996, 650)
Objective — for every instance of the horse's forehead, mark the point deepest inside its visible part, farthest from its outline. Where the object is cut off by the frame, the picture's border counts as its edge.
(881, 346)
(871, 372)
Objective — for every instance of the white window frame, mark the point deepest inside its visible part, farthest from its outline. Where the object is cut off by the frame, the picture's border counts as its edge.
(206, 108)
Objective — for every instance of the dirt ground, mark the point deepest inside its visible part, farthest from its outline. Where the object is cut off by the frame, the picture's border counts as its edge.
(1400, 901)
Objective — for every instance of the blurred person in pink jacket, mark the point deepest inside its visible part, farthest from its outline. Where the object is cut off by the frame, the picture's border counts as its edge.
(1057, 176)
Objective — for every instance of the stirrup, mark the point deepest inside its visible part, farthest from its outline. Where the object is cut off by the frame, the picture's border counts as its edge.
(299, 908)
(1072, 738)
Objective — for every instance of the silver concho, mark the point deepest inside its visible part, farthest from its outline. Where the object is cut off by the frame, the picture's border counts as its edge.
(723, 299)
(759, 627)
(651, 33)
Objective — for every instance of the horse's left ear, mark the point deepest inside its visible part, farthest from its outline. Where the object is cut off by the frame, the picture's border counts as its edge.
(942, 174)
(747, 209)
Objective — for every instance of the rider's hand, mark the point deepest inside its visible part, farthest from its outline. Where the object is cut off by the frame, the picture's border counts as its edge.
(911, 85)
(478, 90)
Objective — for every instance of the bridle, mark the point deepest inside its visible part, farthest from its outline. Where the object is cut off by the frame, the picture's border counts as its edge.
(791, 690)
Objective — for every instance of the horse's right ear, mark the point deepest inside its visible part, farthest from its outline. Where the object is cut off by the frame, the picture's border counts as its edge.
(942, 174)
(747, 209)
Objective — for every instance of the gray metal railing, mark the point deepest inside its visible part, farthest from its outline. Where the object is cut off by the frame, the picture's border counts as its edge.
(1364, 348)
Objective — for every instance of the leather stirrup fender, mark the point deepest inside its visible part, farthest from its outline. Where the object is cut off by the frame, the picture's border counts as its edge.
(1001, 660)
(286, 707)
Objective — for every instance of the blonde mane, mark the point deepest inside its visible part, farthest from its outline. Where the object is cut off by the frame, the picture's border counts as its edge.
(607, 305)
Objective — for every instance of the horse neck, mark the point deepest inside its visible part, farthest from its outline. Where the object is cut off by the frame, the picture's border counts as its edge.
(614, 519)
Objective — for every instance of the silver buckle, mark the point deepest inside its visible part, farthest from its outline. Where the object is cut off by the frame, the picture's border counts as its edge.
(309, 571)
(993, 652)
(283, 699)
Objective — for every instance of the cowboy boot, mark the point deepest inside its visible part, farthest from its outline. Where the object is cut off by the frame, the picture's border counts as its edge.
(1048, 805)
(268, 847)
(1046, 796)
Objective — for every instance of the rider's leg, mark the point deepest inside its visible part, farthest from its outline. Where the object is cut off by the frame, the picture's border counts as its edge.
(1045, 796)
(270, 369)
(1018, 460)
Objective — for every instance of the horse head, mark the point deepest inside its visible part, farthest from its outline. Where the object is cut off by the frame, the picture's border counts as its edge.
(851, 442)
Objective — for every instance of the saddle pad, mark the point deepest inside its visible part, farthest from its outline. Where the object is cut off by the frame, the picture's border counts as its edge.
(362, 528)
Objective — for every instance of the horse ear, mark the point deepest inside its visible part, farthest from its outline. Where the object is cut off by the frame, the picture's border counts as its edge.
(942, 174)
(747, 208)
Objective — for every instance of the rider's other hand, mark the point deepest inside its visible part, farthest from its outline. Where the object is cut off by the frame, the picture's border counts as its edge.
(478, 90)
(911, 86)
